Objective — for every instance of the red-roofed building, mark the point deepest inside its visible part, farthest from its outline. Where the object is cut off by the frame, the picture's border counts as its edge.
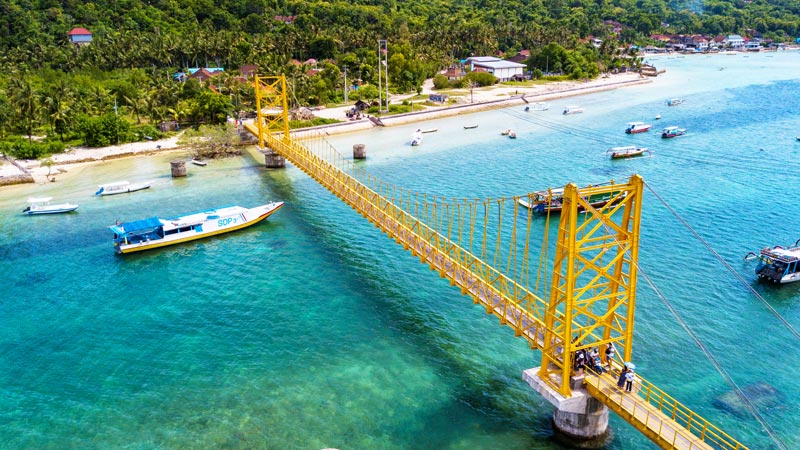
(248, 71)
(202, 75)
(80, 36)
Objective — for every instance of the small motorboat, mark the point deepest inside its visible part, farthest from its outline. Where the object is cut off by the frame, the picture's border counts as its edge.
(629, 151)
(658, 116)
(198, 162)
(675, 101)
(430, 130)
(572, 110)
(505, 132)
(417, 138)
(469, 127)
(637, 127)
(121, 187)
(41, 205)
(671, 132)
(512, 134)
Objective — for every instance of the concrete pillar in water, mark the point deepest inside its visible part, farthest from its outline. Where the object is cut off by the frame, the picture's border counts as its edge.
(581, 418)
(272, 160)
(178, 167)
(359, 151)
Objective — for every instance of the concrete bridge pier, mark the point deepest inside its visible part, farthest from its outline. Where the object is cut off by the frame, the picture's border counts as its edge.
(272, 160)
(581, 419)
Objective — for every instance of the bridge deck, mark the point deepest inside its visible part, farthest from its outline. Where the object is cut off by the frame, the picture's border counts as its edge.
(645, 417)
(666, 422)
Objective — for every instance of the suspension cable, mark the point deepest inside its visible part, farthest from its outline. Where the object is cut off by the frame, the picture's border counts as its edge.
(711, 358)
(750, 288)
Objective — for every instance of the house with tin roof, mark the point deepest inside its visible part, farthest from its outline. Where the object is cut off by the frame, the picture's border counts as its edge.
(80, 36)
(502, 70)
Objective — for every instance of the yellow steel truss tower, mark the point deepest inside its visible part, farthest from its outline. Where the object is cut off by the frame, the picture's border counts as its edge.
(593, 290)
(272, 108)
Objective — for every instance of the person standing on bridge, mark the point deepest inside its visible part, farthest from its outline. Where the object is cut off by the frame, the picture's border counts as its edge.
(610, 351)
(629, 378)
(622, 377)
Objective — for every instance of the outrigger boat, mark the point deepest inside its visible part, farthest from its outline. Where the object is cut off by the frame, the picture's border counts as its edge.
(572, 110)
(777, 264)
(630, 151)
(552, 200)
(671, 132)
(121, 187)
(150, 233)
(675, 101)
(41, 205)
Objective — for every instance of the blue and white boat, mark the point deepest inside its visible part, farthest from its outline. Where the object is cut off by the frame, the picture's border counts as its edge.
(777, 264)
(150, 233)
(41, 205)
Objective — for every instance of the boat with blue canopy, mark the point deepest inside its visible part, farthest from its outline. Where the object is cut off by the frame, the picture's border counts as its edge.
(154, 232)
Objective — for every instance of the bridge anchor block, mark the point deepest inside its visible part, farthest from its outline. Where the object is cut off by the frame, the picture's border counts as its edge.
(581, 419)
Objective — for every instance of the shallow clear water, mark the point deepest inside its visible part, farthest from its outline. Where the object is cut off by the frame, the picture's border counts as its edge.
(313, 330)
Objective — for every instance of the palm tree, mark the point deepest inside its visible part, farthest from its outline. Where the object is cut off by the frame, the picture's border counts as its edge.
(26, 105)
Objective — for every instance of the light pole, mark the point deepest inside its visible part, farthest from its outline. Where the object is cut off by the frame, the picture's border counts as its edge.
(383, 55)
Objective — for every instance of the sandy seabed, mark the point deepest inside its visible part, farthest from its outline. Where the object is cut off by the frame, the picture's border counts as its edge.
(466, 102)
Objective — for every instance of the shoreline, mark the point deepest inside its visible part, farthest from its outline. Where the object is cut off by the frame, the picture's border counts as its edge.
(31, 171)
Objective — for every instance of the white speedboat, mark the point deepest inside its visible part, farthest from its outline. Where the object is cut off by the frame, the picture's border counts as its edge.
(41, 205)
(637, 127)
(538, 106)
(198, 162)
(572, 110)
(417, 138)
(154, 232)
(121, 187)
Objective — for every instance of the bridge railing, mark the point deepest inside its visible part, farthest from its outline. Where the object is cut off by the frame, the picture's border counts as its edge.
(503, 293)
(692, 424)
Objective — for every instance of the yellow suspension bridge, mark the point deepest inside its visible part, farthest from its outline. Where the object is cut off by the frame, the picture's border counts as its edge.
(483, 247)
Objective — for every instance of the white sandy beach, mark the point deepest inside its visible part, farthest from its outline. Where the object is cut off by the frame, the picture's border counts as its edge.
(466, 102)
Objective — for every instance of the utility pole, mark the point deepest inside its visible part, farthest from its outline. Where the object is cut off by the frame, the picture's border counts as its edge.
(345, 84)
(383, 59)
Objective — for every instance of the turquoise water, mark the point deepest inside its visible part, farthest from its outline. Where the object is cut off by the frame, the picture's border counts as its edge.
(313, 330)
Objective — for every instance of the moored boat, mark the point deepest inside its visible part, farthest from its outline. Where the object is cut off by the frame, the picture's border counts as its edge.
(417, 138)
(629, 151)
(121, 187)
(675, 101)
(505, 132)
(153, 232)
(430, 130)
(671, 132)
(469, 127)
(538, 106)
(512, 134)
(637, 127)
(41, 205)
(572, 110)
(198, 162)
(552, 200)
(777, 264)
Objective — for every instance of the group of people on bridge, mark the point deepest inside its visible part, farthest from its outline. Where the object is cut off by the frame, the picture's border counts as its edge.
(590, 360)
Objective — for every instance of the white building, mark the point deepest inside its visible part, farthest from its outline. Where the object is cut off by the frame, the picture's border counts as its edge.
(734, 41)
(502, 70)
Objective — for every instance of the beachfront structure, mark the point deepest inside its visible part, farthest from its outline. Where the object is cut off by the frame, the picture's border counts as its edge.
(734, 41)
(502, 70)
(80, 36)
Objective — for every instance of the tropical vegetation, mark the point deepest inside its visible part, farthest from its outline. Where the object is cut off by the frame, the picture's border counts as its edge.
(122, 84)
